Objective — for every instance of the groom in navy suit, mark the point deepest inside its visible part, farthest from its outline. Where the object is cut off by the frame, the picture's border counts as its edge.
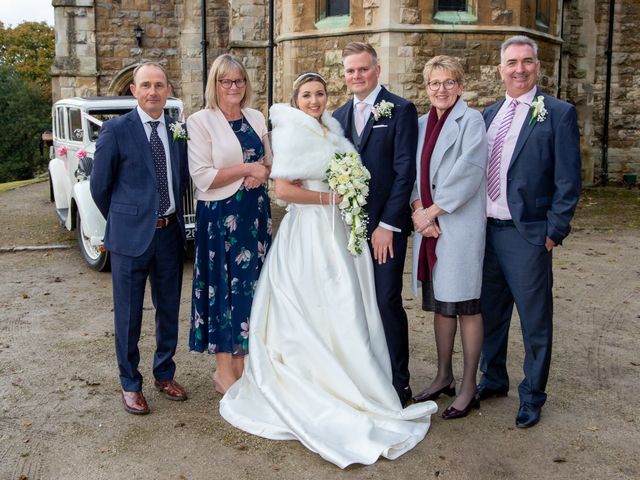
(384, 129)
(137, 182)
(533, 187)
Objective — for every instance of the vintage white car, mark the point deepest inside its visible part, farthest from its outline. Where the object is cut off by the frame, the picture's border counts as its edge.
(76, 126)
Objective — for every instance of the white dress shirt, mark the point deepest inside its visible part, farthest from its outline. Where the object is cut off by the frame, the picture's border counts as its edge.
(499, 208)
(370, 101)
(162, 133)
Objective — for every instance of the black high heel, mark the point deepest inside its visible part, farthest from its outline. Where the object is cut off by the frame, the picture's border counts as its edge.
(451, 412)
(448, 390)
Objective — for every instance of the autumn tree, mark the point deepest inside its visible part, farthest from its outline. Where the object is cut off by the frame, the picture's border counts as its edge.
(29, 49)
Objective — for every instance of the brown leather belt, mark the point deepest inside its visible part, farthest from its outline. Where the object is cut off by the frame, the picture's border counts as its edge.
(164, 222)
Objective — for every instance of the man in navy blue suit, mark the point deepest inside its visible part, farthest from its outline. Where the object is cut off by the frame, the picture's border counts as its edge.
(384, 129)
(137, 182)
(533, 187)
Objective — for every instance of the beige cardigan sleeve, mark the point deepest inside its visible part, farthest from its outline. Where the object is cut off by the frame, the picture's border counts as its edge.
(213, 146)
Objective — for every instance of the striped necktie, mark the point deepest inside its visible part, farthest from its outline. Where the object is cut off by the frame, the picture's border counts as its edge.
(493, 180)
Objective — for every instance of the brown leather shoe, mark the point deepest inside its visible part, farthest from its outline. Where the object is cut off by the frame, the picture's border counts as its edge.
(171, 389)
(135, 403)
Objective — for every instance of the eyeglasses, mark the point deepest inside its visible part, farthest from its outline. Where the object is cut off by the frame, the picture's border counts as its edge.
(226, 83)
(447, 84)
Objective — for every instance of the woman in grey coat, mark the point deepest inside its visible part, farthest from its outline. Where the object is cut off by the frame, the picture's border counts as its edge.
(449, 203)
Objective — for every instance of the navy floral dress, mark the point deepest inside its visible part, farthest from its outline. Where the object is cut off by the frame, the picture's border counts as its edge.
(231, 241)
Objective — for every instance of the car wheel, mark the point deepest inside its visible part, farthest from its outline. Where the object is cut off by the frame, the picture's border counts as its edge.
(96, 259)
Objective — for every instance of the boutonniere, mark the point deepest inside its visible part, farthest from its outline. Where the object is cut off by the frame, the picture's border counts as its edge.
(538, 111)
(382, 109)
(179, 131)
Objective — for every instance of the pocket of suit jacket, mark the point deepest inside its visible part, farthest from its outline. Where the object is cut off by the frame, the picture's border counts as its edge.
(124, 208)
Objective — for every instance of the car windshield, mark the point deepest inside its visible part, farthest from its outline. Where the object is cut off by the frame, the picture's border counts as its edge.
(98, 116)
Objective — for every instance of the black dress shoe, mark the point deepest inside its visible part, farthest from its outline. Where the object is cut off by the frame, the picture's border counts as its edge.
(486, 392)
(448, 390)
(451, 412)
(405, 395)
(528, 415)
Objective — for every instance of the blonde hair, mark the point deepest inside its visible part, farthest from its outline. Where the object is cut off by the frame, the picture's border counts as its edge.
(301, 80)
(220, 68)
(447, 63)
(354, 48)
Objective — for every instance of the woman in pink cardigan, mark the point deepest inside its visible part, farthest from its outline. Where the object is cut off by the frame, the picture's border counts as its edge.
(233, 217)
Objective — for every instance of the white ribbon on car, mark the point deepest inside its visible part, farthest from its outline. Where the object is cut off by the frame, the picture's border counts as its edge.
(92, 119)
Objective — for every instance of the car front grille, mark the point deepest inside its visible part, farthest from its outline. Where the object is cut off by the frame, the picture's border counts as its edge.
(189, 206)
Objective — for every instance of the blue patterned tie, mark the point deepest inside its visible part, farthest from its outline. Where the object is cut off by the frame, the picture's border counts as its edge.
(160, 161)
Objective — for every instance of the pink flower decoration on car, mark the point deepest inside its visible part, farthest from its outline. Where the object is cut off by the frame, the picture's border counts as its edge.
(62, 151)
(81, 154)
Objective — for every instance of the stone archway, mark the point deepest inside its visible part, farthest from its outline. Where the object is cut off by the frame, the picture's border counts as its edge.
(120, 83)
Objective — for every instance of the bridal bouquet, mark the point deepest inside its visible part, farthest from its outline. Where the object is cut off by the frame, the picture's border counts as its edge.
(348, 177)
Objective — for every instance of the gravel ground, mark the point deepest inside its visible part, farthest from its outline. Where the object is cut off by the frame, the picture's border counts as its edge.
(61, 416)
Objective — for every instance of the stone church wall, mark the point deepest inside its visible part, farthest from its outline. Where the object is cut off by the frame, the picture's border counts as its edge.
(586, 44)
(96, 51)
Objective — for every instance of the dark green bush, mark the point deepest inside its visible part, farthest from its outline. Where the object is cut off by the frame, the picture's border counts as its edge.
(24, 113)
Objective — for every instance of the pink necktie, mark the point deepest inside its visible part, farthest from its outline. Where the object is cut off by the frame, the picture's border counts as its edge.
(360, 120)
(493, 181)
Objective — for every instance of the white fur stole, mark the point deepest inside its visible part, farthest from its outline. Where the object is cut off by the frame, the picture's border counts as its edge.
(302, 149)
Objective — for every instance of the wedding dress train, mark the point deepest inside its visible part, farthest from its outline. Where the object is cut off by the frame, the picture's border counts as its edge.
(318, 369)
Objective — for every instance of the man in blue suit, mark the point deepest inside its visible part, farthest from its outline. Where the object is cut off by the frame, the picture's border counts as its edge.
(533, 187)
(137, 182)
(384, 129)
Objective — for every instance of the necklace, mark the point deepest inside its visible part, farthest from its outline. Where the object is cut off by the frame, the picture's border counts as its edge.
(232, 122)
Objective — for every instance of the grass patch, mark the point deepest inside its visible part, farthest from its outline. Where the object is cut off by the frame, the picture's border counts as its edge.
(5, 187)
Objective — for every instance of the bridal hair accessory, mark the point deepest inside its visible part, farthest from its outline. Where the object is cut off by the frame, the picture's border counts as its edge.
(538, 110)
(306, 75)
(382, 109)
(348, 177)
(179, 131)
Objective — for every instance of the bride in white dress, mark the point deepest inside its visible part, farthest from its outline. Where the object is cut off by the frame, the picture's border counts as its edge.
(319, 369)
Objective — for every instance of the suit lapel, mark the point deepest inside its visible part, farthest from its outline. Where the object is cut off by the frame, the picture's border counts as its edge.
(525, 131)
(492, 111)
(370, 121)
(141, 141)
(348, 120)
(174, 157)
